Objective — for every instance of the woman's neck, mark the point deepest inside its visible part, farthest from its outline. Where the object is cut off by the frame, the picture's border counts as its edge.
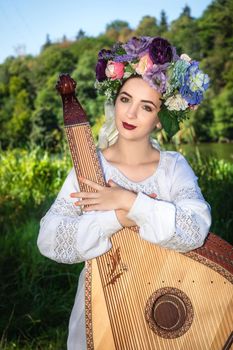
(132, 152)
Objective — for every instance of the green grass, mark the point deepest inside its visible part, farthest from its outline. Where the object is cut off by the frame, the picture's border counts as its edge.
(36, 294)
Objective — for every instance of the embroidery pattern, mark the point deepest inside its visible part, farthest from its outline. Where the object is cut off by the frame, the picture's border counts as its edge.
(66, 245)
(192, 192)
(187, 231)
(148, 186)
(63, 207)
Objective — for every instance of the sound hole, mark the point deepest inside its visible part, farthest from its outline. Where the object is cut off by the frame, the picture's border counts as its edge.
(169, 312)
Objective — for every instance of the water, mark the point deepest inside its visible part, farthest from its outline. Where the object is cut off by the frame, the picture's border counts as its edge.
(218, 150)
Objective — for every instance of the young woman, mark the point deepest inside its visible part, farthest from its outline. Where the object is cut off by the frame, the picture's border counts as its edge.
(156, 190)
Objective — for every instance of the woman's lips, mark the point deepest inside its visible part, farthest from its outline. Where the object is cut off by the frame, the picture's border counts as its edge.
(128, 126)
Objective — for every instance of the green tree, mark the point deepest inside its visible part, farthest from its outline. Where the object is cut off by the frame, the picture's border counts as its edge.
(18, 127)
(147, 26)
(115, 28)
(47, 121)
(80, 34)
(184, 34)
(222, 127)
(84, 74)
(163, 24)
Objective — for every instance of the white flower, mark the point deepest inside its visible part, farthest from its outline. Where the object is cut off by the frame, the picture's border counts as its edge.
(185, 57)
(176, 103)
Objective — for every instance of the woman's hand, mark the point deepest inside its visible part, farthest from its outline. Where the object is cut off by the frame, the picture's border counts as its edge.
(105, 198)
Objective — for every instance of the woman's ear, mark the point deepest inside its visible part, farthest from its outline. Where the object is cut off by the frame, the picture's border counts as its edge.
(158, 125)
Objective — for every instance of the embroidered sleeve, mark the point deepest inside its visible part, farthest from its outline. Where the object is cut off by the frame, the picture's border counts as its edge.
(192, 220)
(181, 223)
(68, 235)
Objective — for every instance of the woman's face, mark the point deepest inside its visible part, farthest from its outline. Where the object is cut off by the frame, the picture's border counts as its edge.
(136, 109)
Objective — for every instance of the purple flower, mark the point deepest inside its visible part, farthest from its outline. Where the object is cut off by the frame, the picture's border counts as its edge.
(124, 58)
(160, 51)
(105, 54)
(100, 70)
(137, 46)
(156, 77)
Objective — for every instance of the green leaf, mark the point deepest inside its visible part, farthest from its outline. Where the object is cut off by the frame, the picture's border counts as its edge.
(169, 122)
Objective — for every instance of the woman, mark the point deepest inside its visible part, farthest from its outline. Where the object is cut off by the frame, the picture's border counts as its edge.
(156, 190)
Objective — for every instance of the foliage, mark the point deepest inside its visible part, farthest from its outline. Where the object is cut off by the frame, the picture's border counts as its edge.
(27, 180)
(216, 181)
(31, 110)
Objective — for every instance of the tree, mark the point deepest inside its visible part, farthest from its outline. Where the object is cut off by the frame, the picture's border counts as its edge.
(163, 25)
(184, 35)
(80, 35)
(186, 12)
(47, 43)
(223, 115)
(147, 26)
(117, 25)
(47, 121)
(115, 28)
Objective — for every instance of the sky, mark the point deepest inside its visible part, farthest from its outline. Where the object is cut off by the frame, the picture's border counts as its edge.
(24, 24)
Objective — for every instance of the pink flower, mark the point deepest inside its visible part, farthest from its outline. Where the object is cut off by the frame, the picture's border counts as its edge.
(114, 70)
(144, 64)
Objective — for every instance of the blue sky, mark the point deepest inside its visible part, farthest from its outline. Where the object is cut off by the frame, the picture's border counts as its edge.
(24, 24)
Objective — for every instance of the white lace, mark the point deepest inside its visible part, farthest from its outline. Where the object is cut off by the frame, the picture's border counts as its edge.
(187, 232)
(66, 243)
(187, 229)
(65, 208)
(192, 192)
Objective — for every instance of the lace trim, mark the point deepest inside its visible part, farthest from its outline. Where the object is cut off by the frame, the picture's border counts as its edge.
(187, 234)
(66, 243)
(151, 186)
(65, 239)
(63, 207)
(192, 192)
(148, 186)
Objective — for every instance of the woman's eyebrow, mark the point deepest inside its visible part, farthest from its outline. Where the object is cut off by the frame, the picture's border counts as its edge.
(123, 92)
(146, 101)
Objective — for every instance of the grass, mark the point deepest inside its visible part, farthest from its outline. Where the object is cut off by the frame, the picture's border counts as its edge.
(36, 293)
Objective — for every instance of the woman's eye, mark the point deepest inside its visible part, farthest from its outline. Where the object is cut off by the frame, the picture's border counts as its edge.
(147, 108)
(124, 99)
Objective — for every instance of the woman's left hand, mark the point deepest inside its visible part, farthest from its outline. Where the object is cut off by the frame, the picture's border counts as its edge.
(105, 198)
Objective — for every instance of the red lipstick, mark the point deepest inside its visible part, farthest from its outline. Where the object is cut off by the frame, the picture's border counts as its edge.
(128, 126)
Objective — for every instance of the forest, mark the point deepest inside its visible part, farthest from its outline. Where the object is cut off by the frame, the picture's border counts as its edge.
(37, 294)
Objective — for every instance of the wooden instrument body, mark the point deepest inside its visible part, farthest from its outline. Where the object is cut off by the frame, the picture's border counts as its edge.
(125, 286)
(210, 293)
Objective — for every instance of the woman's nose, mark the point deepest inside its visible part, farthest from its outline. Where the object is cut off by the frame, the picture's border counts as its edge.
(132, 112)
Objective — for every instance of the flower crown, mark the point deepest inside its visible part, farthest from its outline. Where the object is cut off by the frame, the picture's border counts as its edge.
(178, 79)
